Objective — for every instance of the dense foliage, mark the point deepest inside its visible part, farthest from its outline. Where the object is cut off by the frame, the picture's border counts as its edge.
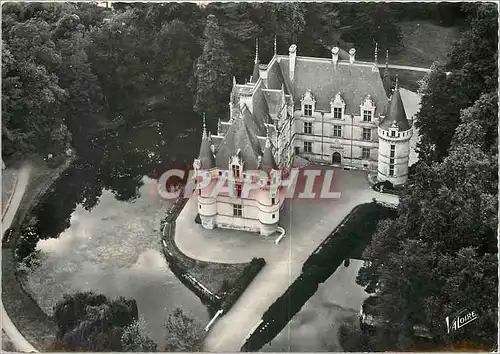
(91, 322)
(440, 255)
(69, 68)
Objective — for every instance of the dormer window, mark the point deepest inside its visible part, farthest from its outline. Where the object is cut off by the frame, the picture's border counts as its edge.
(235, 166)
(337, 106)
(308, 110)
(308, 104)
(393, 133)
(236, 171)
(367, 109)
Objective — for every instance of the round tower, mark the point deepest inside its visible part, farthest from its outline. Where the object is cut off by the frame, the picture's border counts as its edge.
(207, 206)
(268, 203)
(394, 133)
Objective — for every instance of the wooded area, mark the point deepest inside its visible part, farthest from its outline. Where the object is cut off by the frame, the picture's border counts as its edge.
(69, 68)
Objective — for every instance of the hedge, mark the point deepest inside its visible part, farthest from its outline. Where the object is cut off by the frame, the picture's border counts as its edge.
(343, 242)
(247, 276)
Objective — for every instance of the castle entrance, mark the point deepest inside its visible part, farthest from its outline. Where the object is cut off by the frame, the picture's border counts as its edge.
(336, 158)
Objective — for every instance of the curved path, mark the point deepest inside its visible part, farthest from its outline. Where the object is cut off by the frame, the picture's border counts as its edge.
(306, 223)
(10, 329)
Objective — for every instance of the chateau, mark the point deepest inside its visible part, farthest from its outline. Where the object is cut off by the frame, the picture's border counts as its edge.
(336, 111)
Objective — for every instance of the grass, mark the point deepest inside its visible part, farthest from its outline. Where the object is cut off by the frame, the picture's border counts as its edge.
(424, 42)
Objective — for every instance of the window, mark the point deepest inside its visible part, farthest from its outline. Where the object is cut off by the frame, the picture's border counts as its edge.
(308, 127)
(393, 150)
(307, 146)
(367, 134)
(391, 170)
(367, 116)
(391, 161)
(199, 206)
(308, 110)
(393, 133)
(220, 173)
(237, 210)
(337, 113)
(273, 200)
(365, 153)
(337, 131)
(236, 171)
(274, 216)
(238, 190)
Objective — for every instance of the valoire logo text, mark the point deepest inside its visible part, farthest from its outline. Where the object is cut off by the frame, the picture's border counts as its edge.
(459, 320)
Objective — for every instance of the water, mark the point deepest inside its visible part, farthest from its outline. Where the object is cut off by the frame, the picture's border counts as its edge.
(315, 327)
(97, 228)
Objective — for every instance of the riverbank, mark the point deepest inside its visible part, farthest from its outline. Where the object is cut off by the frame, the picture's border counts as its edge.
(38, 328)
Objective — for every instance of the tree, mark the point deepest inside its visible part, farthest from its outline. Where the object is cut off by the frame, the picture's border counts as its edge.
(31, 95)
(135, 339)
(212, 73)
(370, 23)
(90, 322)
(184, 334)
(440, 255)
(471, 70)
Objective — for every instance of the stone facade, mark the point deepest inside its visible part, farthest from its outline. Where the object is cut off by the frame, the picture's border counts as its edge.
(335, 111)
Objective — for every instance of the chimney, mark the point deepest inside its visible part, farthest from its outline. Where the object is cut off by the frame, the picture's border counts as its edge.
(335, 55)
(352, 53)
(292, 55)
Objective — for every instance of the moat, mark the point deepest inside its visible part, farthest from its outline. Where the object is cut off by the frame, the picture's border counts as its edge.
(99, 226)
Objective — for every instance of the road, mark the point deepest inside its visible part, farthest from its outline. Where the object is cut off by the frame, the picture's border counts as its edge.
(10, 329)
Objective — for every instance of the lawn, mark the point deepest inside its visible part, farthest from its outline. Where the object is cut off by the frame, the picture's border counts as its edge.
(424, 42)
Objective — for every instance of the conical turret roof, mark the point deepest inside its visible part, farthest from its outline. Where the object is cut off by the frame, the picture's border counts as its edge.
(396, 112)
(206, 156)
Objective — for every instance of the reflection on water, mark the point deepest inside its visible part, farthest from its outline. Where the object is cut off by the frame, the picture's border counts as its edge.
(315, 327)
(114, 250)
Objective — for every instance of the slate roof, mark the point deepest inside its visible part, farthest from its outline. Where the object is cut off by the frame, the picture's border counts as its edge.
(206, 157)
(396, 113)
(239, 137)
(274, 101)
(354, 82)
(252, 123)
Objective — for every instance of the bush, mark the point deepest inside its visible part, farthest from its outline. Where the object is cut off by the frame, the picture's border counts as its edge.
(248, 274)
